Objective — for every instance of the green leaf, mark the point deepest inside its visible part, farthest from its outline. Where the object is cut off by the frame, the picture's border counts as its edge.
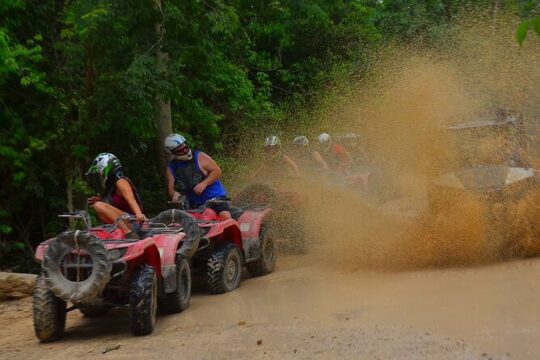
(536, 25)
(521, 33)
(5, 229)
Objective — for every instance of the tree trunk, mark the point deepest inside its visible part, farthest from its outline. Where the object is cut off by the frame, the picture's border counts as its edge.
(163, 120)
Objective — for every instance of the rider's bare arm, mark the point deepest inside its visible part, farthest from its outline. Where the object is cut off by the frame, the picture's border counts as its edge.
(349, 157)
(292, 165)
(318, 158)
(173, 194)
(210, 169)
(126, 191)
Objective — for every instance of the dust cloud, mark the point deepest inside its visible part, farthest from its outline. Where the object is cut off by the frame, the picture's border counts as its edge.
(400, 111)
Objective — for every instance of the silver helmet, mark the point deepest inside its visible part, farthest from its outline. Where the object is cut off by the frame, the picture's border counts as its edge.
(175, 144)
(301, 141)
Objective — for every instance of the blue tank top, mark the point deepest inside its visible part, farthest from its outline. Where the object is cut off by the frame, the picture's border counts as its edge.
(187, 174)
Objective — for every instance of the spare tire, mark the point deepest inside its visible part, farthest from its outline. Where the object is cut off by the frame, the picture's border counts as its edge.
(78, 292)
(189, 225)
(255, 195)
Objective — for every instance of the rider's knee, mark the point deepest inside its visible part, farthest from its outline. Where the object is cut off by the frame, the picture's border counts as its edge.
(99, 206)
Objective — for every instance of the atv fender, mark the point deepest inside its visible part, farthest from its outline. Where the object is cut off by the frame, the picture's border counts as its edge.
(226, 231)
(168, 246)
(42, 249)
(144, 252)
(250, 226)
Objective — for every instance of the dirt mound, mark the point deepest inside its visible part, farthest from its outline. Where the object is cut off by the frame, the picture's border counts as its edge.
(16, 286)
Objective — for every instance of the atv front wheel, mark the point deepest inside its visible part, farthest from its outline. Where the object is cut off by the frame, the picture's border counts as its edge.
(49, 313)
(224, 269)
(178, 300)
(143, 301)
(266, 262)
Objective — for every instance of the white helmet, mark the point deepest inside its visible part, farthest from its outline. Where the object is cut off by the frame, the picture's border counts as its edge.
(272, 140)
(324, 138)
(350, 139)
(172, 144)
(301, 141)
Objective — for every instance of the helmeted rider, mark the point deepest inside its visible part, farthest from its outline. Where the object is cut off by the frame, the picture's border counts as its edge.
(115, 194)
(307, 158)
(335, 155)
(275, 162)
(351, 142)
(194, 174)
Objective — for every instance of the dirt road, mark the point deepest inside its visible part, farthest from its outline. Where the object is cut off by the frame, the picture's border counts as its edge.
(305, 311)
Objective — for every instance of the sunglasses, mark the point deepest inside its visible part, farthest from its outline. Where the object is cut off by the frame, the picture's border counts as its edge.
(180, 150)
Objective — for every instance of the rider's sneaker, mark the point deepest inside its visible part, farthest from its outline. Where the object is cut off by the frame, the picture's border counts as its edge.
(132, 235)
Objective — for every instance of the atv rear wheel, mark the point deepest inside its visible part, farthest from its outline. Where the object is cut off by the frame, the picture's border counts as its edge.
(266, 262)
(224, 269)
(143, 301)
(189, 226)
(178, 300)
(49, 313)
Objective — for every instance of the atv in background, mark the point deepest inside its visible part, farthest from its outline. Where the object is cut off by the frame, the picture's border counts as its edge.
(288, 217)
(227, 245)
(488, 166)
(98, 268)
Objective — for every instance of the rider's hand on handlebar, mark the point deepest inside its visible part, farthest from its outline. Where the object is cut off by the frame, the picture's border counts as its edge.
(141, 218)
(175, 197)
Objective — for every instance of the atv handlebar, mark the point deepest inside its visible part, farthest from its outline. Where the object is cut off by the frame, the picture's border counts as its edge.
(183, 204)
(79, 215)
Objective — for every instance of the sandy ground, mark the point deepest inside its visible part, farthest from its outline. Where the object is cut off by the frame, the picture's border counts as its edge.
(305, 311)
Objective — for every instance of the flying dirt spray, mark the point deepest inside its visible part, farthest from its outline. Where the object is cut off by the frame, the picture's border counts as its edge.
(401, 110)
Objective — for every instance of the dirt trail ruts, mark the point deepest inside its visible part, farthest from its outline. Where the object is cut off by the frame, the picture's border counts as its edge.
(304, 311)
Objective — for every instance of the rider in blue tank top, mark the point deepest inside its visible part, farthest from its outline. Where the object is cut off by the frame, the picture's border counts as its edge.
(194, 174)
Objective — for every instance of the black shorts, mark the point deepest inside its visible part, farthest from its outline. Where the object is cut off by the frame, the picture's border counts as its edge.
(221, 206)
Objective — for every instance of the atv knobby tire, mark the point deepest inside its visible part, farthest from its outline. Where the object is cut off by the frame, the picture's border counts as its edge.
(178, 300)
(49, 312)
(143, 301)
(251, 194)
(224, 269)
(190, 244)
(85, 291)
(266, 263)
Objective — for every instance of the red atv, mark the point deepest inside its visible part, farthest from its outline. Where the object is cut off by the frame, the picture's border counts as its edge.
(288, 219)
(227, 245)
(97, 269)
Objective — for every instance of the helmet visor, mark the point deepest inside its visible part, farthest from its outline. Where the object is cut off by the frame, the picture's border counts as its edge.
(94, 181)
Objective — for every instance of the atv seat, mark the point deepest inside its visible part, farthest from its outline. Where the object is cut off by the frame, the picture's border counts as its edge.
(236, 212)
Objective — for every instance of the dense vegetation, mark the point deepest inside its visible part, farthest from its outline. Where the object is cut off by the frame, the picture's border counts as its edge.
(81, 77)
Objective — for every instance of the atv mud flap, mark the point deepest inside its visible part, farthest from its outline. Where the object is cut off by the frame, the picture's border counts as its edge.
(252, 249)
(169, 278)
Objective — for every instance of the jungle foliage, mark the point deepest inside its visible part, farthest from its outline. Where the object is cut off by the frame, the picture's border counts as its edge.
(81, 77)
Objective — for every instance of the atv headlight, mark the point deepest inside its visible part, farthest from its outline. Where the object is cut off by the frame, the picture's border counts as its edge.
(116, 254)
